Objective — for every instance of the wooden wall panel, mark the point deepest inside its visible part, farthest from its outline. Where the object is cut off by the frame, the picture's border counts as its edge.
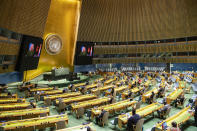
(156, 48)
(24, 16)
(137, 20)
(9, 49)
(145, 60)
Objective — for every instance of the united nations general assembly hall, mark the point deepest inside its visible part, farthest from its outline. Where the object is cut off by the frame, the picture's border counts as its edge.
(98, 65)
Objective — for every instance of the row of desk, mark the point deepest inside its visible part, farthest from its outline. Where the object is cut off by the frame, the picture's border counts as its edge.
(101, 89)
(112, 108)
(117, 90)
(58, 121)
(25, 113)
(79, 128)
(90, 103)
(174, 95)
(148, 94)
(64, 95)
(180, 118)
(5, 95)
(76, 99)
(14, 106)
(3, 87)
(107, 82)
(25, 87)
(134, 90)
(41, 89)
(11, 100)
(144, 111)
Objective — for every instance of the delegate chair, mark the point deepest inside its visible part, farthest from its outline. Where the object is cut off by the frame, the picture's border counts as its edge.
(166, 113)
(138, 104)
(139, 125)
(104, 119)
(80, 112)
(47, 102)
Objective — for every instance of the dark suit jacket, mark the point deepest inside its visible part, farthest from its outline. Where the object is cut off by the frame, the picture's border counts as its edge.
(102, 113)
(133, 121)
(195, 113)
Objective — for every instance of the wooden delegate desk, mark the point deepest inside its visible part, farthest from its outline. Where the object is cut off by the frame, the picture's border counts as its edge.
(117, 89)
(147, 83)
(91, 86)
(76, 86)
(180, 118)
(21, 114)
(144, 111)
(102, 88)
(111, 108)
(79, 84)
(148, 94)
(25, 87)
(76, 99)
(107, 82)
(134, 90)
(119, 82)
(51, 92)
(88, 87)
(41, 89)
(174, 95)
(90, 103)
(5, 95)
(11, 100)
(14, 106)
(79, 128)
(34, 123)
(99, 79)
(3, 87)
(64, 95)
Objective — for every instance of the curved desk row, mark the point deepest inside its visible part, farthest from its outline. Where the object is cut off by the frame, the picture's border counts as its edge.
(180, 118)
(21, 114)
(90, 103)
(112, 108)
(58, 121)
(144, 111)
(14, 106)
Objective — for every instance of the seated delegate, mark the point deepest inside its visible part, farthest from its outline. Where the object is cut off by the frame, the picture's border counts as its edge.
(132, 120)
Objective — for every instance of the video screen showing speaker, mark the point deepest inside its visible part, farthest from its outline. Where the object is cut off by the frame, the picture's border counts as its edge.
(30, 51)
(84, 53)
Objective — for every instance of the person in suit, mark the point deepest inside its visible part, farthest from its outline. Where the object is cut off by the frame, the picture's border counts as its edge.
(33, 105)
(87, 83)
(180, 100)
(111, 100)
(9, 94)
(64, 90)
(98, 118)
(195, 115)
(112, 91)
(132, 120)
(160, 91)
(174, 127)
(129, 94)
(164, 109)
(150, 100)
